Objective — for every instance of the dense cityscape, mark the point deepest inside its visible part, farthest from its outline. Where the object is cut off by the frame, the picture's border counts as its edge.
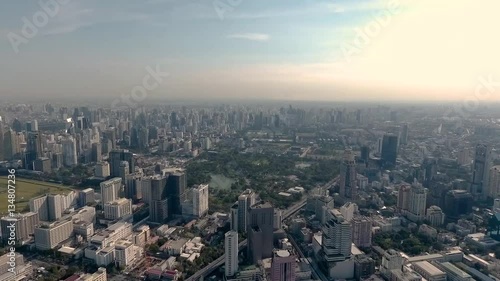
(249, 192)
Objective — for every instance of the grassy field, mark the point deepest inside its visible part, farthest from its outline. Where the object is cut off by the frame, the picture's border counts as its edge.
(220, 182)
(25, 190)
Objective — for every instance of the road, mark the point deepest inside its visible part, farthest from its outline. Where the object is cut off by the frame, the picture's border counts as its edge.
(220, 261)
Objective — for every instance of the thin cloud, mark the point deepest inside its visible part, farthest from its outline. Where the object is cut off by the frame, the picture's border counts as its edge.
(250, 36)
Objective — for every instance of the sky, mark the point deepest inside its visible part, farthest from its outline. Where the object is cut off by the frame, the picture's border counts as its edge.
(332, 50)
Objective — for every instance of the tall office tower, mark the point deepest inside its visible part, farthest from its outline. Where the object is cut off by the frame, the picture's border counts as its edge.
(10, 144)
(39, 205)
(55, 206)
(457, 203)
(245, 200)
(233, 223)
(200, 200)
(124, 171)
(365, 153)
(33, 149)
(404, 134)
(417, 203)
(102, 169)
(69, 152)
(110, 135)
(348, 185)
(86, 196)
(231, 253)
(110, 190)
(463, 157)
(494, 181)
(480, 172)
(176, 186)
(389, 151)
(25, 225)
(260, 231)
(158, 206)
(336, 240)
(96, 153)
(361, 231)
(116, 157)
(403, 203)
(283, 266)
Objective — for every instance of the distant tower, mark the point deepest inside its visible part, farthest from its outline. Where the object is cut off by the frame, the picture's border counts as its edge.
(260, 231)
(348, 187)
(337, 237)
(404, 134)
(69, 151)
(389, 150)
(480, 175)
(231, 253)
(110, 190)
(245, 200)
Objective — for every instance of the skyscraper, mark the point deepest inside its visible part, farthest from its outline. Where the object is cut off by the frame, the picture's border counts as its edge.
(260, 231)
(417, 202)
(403, 197)
(283, 266)
(10, 144)
(494, 181)
(234, 217)
(115, 159)
(231, 253)
(176, 186)
(69, 151)
(245, 200)
(157, 193)
(404, 134)
(33, 149)
(96, 154)
(336, 240)
(389, 150)
(347, 182)
(110, 190)
(480, 172)
(361, 231)
(200, 200)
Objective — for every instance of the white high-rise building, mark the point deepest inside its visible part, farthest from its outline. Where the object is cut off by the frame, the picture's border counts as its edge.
(337, 237)
(417, 202)
(231, 253)
(117, 209)
(245, 201)
(69, 151)
(200, 200)
(348, 210)
(49, 236)
(102, 169)
(39, 205)
(110, 189)
(56, 206)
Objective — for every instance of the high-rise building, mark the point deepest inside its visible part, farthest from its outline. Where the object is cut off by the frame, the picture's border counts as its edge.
(245, 200)
(55, 206)
(10, 144)
(389, 151)
(39, 205)
(110, 190)
(391, 260)
(200, 200)
(234, 217)
(480, 172)
(403, 197)
(69, 152)
(117, 209)
(336, 240)
(404, 134)
(25, 225)
(176, 186)
(348, 210)
(417, 204)
(86, 196)
(33, 149)
(124, 170)
(231, 253)
(283, 266)
(102, 169)
(157, 193)
(96, 153)
(463, 157)
(435, 216)
(115, 159)
(361, 231)
(457, 203)
(48, 236)
(260, 231)
(494, 181)
(348, 180)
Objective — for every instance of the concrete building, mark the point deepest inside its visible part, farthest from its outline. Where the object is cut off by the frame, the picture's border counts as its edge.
(479, 187)
(233, 216)
(200, 200)
(428, 271)
(117, 209)
(115, 159)
(348, 179)
(231, 253)
(124, 253)
(110, 190)
(494, 181)
(336, 239)
(158, 206)
(43, 164)
(417, 203)
(453, 273)
(110, 235)
(48, 236)
(99, 275)
(361, 231)
(25, 225)
(102, 170)
(435, 216)
(69, 151)
(283, 266)
(391, 260)
(21, 270)
(348, 210)
(260, 231)
(86, 196)
(245, 200)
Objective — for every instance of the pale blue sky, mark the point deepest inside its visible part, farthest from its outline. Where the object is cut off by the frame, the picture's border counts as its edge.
(101, 47)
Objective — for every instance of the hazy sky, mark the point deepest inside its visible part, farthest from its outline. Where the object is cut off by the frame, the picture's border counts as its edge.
(279, 49)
